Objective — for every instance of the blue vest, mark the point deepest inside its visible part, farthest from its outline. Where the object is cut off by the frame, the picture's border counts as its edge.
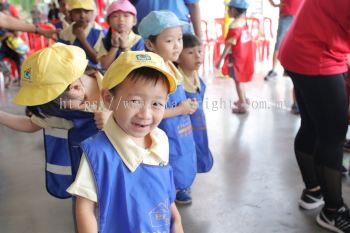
(63, 153)
(181, 142)
(128, 202)
(199, 126)
(92, 38)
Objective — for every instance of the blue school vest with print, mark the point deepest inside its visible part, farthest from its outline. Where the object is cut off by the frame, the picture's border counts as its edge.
(199, 127)
(128, 202)
(92, 38)
(63, 153)
(181, 142)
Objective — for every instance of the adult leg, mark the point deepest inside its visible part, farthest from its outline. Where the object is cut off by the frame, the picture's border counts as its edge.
(304, 145)
(283, 26)
(324, 101)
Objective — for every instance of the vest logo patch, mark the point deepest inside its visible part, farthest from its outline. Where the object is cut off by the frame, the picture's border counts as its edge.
(27, 74)
(143, 57)
(160, 215)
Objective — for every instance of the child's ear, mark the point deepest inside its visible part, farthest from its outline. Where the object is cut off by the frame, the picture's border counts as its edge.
(149, 45)
(107, 99)
(76, 86)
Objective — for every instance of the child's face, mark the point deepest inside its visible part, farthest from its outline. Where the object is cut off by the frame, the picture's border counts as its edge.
(82, 17)
(191, 58)
(138, 107)
(121, 21)
(168, 44)
(63, 5)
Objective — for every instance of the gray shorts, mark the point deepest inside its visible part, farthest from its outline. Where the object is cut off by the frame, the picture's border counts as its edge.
(283, 25)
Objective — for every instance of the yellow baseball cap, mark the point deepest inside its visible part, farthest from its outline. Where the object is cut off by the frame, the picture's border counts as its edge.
(131, 60)
(47, 73)
(82, 4)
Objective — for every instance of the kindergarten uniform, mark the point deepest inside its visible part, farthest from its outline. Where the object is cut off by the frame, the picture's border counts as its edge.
(94, 37)
(199, 125)
(113, 175)
(135, 43)
(239, 64)
(181, 142)
(62, 135)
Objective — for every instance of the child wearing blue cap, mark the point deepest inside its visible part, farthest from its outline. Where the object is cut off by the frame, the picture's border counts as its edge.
(124, 173)
(189, 62)
(238, 53)
(162, 32)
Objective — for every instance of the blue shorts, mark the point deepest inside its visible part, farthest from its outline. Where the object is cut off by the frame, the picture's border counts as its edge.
(283, 25)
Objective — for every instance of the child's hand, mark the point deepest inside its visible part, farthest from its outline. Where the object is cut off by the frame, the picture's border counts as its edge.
(188, 106)
(115, 39)
(194, 105)
(101, 118)
(123, 40)
(78, 31)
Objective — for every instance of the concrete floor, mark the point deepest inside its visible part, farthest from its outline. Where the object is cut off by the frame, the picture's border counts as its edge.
(254, 185)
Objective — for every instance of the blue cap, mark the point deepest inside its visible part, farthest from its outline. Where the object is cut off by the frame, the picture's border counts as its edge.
(242, 4)
(157, 21)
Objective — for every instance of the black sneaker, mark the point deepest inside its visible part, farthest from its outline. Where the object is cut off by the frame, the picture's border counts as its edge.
(270, 74)
(336, 221)
(311, 200)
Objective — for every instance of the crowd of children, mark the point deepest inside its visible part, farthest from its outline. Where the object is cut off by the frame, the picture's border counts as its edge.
(145, 111)
(133, 141)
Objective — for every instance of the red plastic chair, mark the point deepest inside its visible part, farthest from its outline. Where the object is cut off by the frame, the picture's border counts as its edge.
(37, 42)
(219, 38)
(208, 42)
(254, 28)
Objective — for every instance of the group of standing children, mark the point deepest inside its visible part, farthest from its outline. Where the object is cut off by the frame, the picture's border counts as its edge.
(124, 168)
(163, 35)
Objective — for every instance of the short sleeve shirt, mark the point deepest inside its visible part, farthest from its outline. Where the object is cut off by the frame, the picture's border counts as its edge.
(318, 40)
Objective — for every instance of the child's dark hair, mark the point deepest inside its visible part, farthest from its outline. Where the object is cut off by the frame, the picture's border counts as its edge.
(239, 10)
(153, 40)
(190, 41)
(145, 74)
(51, 108)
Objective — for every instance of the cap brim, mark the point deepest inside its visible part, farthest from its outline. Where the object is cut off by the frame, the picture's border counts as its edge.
(171, 79)
(34, 95)
(31, 96)
(111, 84)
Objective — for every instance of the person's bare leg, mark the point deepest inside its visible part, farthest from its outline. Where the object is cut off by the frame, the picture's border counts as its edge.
(242, 102)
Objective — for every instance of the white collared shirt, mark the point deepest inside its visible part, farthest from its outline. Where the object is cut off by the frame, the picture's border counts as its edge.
(131, 154)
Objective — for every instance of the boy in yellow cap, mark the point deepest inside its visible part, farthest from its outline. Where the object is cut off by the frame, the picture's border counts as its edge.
(124, 170)
(53, 84)
(81, 32)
